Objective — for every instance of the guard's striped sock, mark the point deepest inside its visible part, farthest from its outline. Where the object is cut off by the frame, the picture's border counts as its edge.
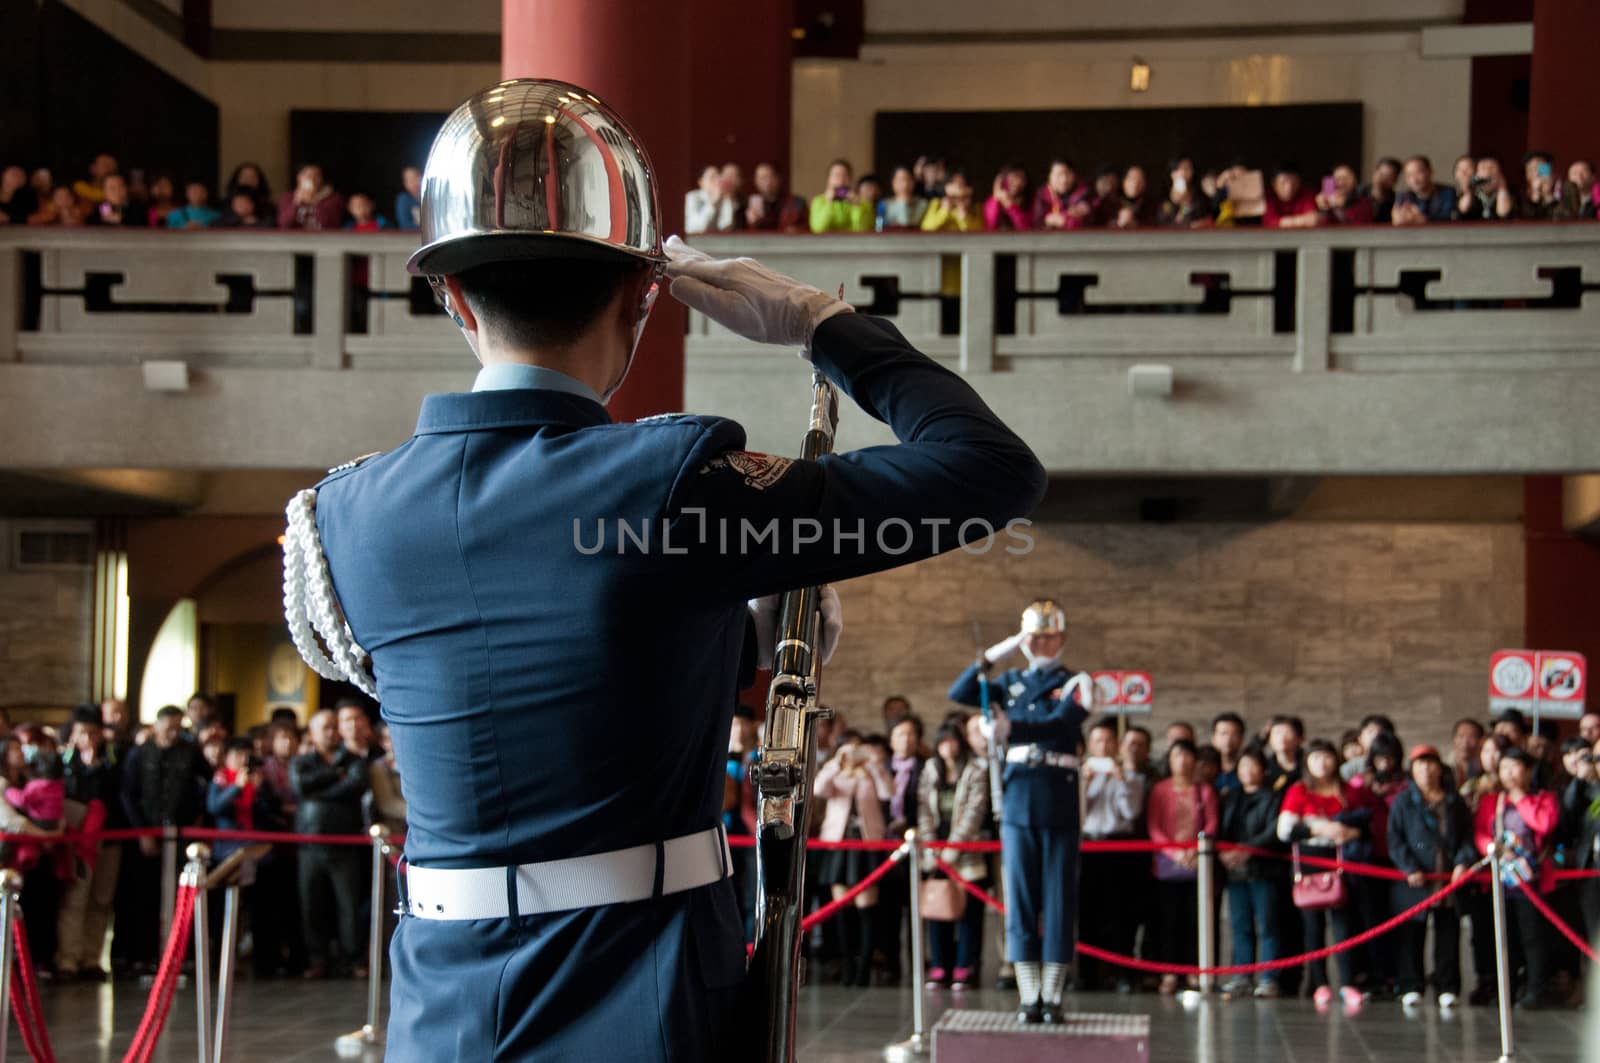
(1027, 982)
(1055, 980)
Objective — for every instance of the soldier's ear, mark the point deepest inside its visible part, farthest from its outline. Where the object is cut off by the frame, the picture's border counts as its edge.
(638, 294)
(455, 304)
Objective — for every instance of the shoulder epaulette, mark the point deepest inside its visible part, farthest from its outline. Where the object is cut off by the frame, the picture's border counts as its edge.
(353, 462)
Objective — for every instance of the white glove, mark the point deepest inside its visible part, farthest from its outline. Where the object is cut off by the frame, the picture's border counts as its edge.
(995, 729)
(764, 611)
(745, 297)
(1083, 683)
(1001, 650)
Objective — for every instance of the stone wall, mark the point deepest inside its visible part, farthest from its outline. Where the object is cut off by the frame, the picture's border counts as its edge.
(46, 636)
(1329, 620)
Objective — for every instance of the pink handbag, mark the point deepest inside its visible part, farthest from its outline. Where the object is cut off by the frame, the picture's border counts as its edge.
(1319, 890)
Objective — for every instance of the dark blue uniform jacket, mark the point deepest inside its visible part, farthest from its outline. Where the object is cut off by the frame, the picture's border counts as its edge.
(555, 609)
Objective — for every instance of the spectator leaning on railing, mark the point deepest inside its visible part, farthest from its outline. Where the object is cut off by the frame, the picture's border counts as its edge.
(769, 209)
(408, 203)
(1062, 202)
(1487, 197)
(312, 204)
(1422, 202)
(905, 209)
(1004, 210)
(710, 207)
(17, 197)
(1341, 203)
(1379, 193)
(197, 213)
(836, 209)
(92, 191)
(1290, 205)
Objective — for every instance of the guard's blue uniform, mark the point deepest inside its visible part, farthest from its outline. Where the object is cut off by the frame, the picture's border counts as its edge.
(549, 699)
(1039, 823)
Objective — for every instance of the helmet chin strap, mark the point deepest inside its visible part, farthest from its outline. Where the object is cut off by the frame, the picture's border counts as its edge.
(1037, 660)
(645, 307)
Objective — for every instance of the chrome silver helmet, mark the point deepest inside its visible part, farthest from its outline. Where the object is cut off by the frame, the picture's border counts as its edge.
(533, 168)
(1043, 617)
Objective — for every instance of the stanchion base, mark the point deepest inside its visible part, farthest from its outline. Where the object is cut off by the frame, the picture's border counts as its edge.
(357, 1043)
(913, 1047)
(970, 1036)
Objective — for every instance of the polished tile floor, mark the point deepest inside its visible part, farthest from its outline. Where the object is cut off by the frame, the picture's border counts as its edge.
(278, 1022)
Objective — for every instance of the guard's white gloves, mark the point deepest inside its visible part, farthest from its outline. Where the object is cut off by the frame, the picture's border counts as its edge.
(995, 729)
(764, 611)
(1083, 685)
(1001, 650)
(745, 297)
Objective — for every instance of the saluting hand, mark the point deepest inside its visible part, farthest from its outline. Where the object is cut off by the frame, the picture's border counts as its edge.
(747, 298)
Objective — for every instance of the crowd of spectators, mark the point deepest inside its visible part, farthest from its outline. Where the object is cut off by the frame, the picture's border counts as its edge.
(1427, 814)
(306, 906)
(929, 195)
(932, 196)
(105, 196)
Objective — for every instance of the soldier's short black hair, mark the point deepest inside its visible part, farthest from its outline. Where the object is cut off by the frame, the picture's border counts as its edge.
(543, 302)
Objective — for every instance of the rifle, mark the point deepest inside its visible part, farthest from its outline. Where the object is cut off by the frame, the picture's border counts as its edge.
(783, 776)
(996, 754)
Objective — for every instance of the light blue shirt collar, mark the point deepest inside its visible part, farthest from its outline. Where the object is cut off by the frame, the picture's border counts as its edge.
(508, 376)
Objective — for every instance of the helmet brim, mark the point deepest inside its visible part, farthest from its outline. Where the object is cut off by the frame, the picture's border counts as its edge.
(458, 252)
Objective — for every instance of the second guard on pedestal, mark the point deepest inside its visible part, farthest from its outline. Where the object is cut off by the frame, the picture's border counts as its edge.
(1039, 711)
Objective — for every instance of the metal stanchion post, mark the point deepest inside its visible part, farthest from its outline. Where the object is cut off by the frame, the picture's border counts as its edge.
(371, 1033)
(917, 1044)
(1502, 954)
(225, 966)
(1204, 885)
(10, 900)
(169, 877)
(195, 874)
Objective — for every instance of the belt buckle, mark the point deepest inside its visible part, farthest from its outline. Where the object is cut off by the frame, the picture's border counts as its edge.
(1035, 757)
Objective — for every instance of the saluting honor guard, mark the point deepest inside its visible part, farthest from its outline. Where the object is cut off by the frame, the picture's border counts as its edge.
(1037, 731)
(553, 609)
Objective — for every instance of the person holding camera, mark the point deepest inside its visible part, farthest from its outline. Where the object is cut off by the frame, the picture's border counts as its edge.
(854, 785)
(711, 207)
(1580, 811)
(1488, 197)
(838, 209)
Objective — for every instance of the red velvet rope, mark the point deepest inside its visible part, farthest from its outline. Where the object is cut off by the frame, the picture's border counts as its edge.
(160, 1003)
(1531, 894)
(30, 1015)
(1247, 968)
(827, 911)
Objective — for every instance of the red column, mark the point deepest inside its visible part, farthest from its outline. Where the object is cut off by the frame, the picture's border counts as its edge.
(1563, 576)
(739, 88)
(1561, 91)
(700, 82)
(635, 56)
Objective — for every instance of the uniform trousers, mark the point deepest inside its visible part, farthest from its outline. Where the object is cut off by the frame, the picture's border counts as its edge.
(1041, 892)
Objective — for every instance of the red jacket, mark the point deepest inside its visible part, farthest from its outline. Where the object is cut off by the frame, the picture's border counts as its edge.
(1278, 209)
(1540, 812)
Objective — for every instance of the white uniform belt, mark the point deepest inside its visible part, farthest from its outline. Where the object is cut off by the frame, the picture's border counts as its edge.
(1035, 757)
(618, 877)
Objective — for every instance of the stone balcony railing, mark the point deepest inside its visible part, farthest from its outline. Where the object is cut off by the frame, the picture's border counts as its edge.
(1457, 349)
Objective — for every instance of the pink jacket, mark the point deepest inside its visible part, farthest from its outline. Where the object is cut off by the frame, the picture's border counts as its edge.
(1162, 815)
(863, 794)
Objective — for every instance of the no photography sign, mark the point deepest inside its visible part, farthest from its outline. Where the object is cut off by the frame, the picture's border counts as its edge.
(1120, 692)
(1544, 682)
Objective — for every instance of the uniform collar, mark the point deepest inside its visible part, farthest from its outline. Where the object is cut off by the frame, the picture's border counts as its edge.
(512, 408)
(509, 376)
